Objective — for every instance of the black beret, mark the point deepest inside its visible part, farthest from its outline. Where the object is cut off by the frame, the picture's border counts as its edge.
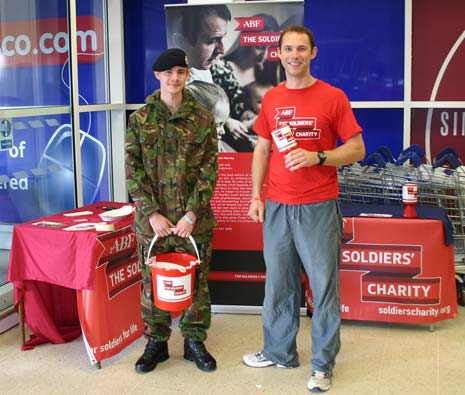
(170, 58)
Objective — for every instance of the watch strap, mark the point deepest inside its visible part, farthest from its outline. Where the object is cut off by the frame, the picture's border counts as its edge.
(321, 157)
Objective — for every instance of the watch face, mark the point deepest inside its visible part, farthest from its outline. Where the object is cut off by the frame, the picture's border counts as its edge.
(322, 157)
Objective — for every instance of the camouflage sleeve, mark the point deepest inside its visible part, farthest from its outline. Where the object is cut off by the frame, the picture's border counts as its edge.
(138, 183)
(199, 200)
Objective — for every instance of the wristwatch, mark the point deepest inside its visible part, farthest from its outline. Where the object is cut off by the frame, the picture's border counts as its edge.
(321, 157)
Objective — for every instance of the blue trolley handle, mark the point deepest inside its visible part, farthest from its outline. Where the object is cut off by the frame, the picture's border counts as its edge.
(446, 151)
(413, 148)
(374, 159)
(450, 159)
(411, 155)
(386, 153)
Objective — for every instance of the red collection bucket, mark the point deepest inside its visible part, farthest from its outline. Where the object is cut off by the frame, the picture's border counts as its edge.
(173, 278)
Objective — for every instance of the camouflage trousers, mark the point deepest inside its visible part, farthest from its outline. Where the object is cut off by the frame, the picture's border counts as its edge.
(197, 318)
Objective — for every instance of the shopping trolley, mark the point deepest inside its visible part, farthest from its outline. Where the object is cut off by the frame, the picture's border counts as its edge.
(379, 178)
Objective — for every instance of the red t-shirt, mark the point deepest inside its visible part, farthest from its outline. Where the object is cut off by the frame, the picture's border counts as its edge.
(318, 116)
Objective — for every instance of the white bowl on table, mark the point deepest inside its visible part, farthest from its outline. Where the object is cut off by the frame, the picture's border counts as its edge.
(114, 215)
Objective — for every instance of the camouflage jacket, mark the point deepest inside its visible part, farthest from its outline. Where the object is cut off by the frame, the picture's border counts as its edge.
(172, 164)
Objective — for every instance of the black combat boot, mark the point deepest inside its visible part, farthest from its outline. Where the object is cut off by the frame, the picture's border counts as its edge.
(154, 352)
(196, 352)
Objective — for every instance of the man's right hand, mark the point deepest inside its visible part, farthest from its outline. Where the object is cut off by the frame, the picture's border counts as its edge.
(161, 225)
(256, 210)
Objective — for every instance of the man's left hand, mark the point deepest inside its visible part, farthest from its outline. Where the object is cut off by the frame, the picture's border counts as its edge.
(183, 228)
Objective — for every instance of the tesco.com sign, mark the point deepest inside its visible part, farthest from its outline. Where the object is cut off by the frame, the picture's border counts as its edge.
(46, 41)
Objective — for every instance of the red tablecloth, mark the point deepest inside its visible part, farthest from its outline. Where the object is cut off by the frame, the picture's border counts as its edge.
(395, 270)
(48, 264)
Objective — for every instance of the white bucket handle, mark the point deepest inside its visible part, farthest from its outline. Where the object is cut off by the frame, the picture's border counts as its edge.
(155, 238)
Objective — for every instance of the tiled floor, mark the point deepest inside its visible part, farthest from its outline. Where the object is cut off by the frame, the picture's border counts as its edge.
(375, 359)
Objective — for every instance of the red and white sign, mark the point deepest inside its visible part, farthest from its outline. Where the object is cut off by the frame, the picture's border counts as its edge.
(46, 41)
(110, 313)
(235, 230)
(284, 138)
(261, 39)
(252, 23)
(395, 270)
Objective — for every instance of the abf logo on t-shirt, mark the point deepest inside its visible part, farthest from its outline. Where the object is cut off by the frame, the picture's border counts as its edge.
(303, 128)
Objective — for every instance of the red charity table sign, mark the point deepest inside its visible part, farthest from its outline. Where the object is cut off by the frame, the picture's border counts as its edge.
(117, 244)
(110, 314)
(122, 273)
(400, 259)
(400, 290)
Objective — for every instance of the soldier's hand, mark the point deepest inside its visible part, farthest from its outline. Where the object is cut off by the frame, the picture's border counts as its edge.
(161, 225)
(183, 227)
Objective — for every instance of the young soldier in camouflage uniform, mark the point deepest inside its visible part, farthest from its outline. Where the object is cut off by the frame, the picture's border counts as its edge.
(171, 171)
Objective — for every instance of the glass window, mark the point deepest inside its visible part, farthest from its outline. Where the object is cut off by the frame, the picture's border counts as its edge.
(92, 48)
(36, 173)
(33, 53)
(95, 156)
(37, 140)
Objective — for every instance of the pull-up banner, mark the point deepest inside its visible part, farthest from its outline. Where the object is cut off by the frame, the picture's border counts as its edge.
(236, 60)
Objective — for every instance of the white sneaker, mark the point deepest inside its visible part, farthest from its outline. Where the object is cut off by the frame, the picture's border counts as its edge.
(319, 381)
(258, 360)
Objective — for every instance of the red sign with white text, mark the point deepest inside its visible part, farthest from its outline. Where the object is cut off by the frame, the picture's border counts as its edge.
(259, 39)
(396, 270)
(253, 23)
(41, 42)
(235, 230)
(110, 313)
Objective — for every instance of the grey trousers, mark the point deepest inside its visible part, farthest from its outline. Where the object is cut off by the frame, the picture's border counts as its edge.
(302, 236)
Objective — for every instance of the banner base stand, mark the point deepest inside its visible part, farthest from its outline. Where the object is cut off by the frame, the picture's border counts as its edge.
(233, 309)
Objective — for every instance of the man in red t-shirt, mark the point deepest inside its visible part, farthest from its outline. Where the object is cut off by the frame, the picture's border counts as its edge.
(298, 127)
